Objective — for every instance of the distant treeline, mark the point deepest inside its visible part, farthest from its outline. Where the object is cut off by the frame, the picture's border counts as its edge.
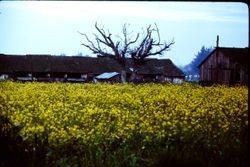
(192, 68)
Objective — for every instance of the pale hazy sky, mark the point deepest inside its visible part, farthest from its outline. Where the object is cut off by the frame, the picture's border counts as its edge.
(45, 27)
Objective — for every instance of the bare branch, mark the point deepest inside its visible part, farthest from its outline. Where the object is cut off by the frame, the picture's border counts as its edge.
(158, 34)
(162, 50)
(148, 46)
(103, 34)
(127, 42)
(136, 38)
(96, 49)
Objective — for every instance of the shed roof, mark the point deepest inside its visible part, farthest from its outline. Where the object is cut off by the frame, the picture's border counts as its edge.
(157, 67)
(79, 64)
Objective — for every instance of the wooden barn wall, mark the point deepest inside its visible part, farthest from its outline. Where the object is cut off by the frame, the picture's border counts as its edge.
(220, 69)
(207, 74)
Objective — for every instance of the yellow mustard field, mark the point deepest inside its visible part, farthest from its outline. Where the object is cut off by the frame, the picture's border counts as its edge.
(127, 122)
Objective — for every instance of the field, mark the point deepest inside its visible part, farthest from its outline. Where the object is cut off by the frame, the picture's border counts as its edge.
(60, 124)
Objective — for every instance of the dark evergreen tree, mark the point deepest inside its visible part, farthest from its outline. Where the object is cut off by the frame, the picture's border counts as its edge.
(192, 69)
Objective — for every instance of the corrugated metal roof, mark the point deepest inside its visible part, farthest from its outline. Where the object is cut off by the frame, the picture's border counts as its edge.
(107, 75)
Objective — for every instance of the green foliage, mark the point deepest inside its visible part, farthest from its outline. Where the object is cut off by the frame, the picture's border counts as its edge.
(126, 125)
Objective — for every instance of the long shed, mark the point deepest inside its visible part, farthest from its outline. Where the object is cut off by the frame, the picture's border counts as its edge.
(82, 69)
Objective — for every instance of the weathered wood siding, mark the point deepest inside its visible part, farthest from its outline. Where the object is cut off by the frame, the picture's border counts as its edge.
(220, 69)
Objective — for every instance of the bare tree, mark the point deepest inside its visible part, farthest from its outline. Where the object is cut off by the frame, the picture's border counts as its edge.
(147, 44)
(120, 50)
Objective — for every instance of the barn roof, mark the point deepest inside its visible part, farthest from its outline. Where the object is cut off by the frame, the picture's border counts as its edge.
(79, 64)
(239, 55)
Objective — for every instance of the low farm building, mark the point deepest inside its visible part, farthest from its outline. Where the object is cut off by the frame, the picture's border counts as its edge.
(227, 66)
(84, 69)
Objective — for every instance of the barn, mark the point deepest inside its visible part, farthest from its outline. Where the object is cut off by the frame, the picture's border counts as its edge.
(225, 65)
(83, 69)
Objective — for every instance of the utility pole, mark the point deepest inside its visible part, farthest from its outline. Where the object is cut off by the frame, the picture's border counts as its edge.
(217, 41)
(216, 56)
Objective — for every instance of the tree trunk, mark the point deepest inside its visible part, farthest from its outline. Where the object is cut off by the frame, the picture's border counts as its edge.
(132, 77)
(123, 76)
